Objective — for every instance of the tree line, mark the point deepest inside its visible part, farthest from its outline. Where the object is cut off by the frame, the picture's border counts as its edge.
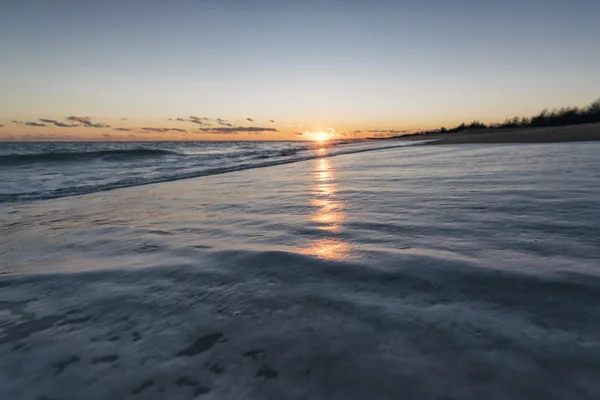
(556, 117)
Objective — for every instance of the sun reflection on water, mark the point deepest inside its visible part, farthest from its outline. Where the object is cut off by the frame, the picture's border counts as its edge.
(329, 215)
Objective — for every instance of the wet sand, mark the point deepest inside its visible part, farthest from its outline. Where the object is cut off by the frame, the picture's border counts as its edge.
(573, 133)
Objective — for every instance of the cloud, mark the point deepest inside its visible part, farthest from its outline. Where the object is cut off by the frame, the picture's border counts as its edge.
(106, 135)
(28, 123)
(122, 129)
(132, 136)
(1, 126)
(272, 121)
(199, 121)
(207, 121)
(87, 122)
(58, 123)
(299, 133)
(46, 122)
(195, 120)
(83, 120)
(223, 122)
(236, 129)
(63, 125)
(161, 130)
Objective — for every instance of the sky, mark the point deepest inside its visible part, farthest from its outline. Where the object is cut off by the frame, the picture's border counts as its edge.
(283, 69)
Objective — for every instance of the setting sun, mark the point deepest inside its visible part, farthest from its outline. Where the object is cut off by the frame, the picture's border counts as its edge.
(321, 136)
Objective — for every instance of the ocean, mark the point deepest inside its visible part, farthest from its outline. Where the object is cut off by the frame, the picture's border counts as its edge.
(51, 170)
(292, 270)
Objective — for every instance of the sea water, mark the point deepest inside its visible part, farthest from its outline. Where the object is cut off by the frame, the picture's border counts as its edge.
(52, 170)
(427, 272)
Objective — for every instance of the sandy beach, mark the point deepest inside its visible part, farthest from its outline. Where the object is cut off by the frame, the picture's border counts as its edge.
(575, 133)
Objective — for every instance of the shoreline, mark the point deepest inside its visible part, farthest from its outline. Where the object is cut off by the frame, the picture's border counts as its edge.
(555, 134)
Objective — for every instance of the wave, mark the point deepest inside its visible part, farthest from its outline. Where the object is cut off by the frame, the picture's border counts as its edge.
(108, 155)
(140, 181)
(276, 153)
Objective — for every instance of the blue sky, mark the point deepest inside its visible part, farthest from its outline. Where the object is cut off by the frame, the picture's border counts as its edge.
(307, 65)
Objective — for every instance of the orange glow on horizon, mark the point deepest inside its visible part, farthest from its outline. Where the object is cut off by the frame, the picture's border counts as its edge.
(322, 136)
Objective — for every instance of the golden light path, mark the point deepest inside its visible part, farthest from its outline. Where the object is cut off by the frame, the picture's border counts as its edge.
(329, 215)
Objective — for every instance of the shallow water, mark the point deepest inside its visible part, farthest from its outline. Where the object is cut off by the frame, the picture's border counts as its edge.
(433, 272)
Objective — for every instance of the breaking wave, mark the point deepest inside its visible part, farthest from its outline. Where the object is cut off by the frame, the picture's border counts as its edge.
(58, 157)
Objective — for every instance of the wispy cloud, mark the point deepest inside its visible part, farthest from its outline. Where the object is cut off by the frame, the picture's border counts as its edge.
(45, 122)
(83, 120)
(122, 129)
(250, 119)
(236, 129)
(223, 122)
(199, 120)
(272, 121)
(160, 130)
(58, 123)
(299, 133)
(30, 123)
(1, 126)
(106, 135)
(195, 120)
(87, 122)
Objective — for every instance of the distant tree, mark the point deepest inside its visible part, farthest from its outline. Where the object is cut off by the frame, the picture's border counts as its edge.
(459, 128)
(476, 125)
(563, 116)
(540, 119)
(592, 112)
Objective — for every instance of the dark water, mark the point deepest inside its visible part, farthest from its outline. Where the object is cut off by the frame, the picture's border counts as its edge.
(33, 171)
(432, 272)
